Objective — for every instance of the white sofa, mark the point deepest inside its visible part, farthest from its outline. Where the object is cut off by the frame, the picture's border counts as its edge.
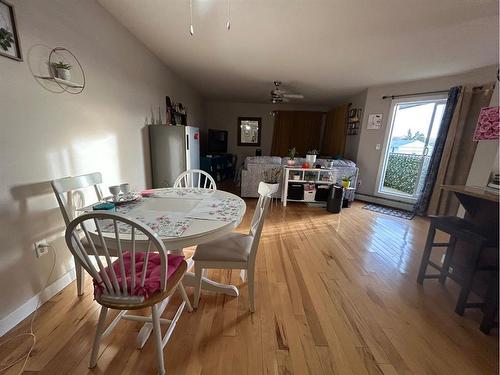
(254, 167)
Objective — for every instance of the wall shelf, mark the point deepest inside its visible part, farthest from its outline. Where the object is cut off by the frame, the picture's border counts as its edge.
(62, 82)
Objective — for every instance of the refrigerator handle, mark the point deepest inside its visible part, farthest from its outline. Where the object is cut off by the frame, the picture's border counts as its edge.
(187, 141)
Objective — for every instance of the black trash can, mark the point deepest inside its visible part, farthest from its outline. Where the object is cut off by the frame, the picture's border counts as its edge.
(335, 198)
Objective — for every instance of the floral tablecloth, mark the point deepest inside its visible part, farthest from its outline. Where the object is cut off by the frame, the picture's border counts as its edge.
(174, 224)
(226, 209)
(163, 225)
(195, 193)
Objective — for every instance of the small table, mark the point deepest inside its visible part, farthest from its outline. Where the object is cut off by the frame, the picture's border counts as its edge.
(481, 205)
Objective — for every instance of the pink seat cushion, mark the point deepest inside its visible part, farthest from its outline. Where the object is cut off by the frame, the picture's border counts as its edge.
(152, 283)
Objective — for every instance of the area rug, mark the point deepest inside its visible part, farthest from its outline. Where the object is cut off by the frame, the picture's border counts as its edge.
(390, 211)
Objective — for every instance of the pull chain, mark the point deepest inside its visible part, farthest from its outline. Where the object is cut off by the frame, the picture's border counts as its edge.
(228, 24)
(191, 28)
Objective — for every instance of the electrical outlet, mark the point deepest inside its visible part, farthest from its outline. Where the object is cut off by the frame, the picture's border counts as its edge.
(377, 146)
(41, 248)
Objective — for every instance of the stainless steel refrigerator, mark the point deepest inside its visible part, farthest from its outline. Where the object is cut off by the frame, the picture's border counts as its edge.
(174, 149)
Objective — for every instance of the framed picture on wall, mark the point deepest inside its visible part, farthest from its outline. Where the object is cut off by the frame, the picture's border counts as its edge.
(9, 38)
(375, 121)
(249, 130)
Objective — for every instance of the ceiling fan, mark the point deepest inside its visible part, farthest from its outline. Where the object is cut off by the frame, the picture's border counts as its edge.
(279, 95)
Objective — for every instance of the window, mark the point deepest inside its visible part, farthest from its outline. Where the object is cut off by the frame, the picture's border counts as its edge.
(408, 147)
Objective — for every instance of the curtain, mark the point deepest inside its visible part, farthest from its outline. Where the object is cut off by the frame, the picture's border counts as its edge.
(453, 151)
(334, 138)
(299, 129)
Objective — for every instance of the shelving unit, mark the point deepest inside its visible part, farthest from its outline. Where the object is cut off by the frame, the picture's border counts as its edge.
(319, 173)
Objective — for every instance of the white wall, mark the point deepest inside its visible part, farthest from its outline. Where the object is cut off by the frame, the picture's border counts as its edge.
(224, 116)
(45, 135)
(368, 158)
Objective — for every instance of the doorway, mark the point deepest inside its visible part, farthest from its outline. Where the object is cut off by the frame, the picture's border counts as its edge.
(408, 146)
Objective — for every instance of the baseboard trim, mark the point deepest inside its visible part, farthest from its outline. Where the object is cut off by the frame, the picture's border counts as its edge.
(385, 202)
(18, 315)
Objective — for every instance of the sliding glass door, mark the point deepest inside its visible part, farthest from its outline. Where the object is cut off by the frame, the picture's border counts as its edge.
(409, 144)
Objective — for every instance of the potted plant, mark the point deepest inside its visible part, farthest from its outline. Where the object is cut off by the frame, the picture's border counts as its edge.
(346, 181)
(272, 177)
(311, 156)
(291, 157)
(63, 70)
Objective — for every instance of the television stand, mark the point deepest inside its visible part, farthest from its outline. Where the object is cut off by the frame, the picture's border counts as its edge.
(220, 166)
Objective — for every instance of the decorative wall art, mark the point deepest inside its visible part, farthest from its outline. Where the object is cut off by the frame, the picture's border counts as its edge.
(9, 39)
(487, 127)
(375, 121)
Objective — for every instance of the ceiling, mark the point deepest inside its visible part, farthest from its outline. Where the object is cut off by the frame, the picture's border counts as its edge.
(324, 49)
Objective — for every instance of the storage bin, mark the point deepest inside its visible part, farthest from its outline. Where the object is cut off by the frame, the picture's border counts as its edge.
(295, 191)
(309, 195)
(321, 193)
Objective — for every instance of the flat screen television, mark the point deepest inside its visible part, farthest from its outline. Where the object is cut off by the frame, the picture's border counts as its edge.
(217, 141)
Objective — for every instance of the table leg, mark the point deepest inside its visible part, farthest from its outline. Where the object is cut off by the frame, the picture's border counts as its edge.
(207, 284)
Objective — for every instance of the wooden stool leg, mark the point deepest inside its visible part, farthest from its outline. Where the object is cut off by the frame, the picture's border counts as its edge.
(447, 259)
(491, 301)
(426, 255)
(467, 280)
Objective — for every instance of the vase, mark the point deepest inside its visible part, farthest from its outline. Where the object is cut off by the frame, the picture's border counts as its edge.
(346, 184)
(63, 74)
(311, 159)
(290, 162)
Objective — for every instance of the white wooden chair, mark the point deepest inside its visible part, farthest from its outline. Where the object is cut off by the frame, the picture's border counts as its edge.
(64, 189)
(235, 250)
(192, 178)
(123, 284)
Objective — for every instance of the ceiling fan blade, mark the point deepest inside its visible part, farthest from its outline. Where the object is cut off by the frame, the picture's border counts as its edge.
(294, 96)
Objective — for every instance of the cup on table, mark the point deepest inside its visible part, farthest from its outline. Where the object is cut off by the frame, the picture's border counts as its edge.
(125, 188)
(115, 191)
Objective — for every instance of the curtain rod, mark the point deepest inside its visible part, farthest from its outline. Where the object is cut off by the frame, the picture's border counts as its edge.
(416, 94)
(427, 93)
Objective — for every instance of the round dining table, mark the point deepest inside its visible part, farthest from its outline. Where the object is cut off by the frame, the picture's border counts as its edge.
(185, 217)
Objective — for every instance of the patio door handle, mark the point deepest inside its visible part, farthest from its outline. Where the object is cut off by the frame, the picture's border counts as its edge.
(426, 151)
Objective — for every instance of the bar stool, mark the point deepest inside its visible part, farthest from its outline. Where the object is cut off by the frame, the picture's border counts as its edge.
(463, 230)
(458, 229)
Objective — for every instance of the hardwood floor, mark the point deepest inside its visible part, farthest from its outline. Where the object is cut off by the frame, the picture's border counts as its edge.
(335, 294)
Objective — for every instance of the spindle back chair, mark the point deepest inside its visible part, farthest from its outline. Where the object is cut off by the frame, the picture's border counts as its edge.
(125, 284)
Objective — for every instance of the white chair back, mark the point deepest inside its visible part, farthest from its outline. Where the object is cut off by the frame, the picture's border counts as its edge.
(64, 188)
(193, 178)
(92, 225)
(265, 193)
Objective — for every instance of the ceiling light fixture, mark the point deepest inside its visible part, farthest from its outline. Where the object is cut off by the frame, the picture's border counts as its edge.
(191, 27)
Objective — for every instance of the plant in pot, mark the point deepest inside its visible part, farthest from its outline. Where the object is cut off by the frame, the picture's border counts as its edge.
(291, 157)
(311, 156)
(62, 70)
(346, 181)
(272, 177)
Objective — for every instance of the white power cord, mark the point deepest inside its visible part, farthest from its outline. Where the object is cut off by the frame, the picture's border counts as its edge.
(31, 334)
